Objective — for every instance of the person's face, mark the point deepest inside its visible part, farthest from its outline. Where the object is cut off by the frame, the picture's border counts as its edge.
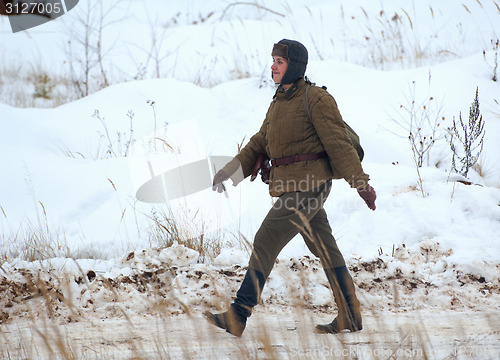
(279, 67)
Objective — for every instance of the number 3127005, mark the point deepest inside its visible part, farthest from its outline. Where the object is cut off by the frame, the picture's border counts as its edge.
(22, 8)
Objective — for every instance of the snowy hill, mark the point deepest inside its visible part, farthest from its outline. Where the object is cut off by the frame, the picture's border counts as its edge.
(84, 192)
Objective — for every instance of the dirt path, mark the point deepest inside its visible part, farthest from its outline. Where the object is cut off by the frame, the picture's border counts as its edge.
(271, 333)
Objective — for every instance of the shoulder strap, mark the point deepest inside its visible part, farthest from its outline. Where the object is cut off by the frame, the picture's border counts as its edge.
(352, 134)
(306, 102)
(307, 108)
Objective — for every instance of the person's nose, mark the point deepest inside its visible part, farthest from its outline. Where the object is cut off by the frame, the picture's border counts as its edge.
(273, 66)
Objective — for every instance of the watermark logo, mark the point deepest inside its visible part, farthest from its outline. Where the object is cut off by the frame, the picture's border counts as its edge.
(174, 174)
(27, 14)
(358, 351)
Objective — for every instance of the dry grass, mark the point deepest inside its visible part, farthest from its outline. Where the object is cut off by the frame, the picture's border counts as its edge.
(42, 319)
(380, 40)
(28, 85)
(34, 240)
(390, 40)
(55, 328)
(165, 230)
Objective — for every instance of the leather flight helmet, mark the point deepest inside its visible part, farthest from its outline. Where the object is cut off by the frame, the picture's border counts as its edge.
(297, 56)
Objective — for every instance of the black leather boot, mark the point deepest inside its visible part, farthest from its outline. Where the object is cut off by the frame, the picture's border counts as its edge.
(349, 309)
(234, 320)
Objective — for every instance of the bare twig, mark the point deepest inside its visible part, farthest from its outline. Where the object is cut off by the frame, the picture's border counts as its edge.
(251, 4)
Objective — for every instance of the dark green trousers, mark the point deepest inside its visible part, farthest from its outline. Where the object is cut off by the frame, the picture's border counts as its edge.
(292, 213)
(283, 222)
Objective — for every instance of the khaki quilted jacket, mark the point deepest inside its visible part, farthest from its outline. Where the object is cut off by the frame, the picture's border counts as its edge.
(288, 131)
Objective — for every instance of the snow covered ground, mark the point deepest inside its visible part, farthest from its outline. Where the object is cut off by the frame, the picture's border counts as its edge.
(84, 272)
(271, 335)
(415, 303)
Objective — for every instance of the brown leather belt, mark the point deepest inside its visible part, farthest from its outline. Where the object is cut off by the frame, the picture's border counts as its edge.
(296, 158)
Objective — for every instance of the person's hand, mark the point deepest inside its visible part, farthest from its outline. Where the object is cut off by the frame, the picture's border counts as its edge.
(217, 184)
(368, 195)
